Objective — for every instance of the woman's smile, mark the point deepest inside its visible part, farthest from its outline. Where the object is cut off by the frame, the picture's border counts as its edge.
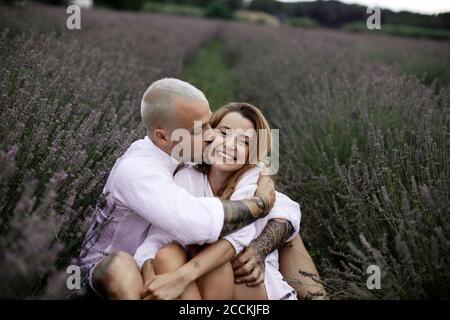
(224, 156)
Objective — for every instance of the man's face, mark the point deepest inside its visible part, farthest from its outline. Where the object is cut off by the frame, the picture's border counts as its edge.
(194, 116)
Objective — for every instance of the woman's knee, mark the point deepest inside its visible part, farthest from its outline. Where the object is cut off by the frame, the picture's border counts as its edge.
(169, 258)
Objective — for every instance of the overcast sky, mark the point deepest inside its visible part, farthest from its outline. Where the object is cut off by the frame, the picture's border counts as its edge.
(421, 6)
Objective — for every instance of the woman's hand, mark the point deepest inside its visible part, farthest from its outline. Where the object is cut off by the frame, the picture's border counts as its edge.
(167, 286)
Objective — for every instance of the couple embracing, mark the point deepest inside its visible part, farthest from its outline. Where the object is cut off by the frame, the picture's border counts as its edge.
(176, 225)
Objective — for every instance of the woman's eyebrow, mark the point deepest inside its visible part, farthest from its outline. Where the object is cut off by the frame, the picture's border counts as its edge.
(200, 127)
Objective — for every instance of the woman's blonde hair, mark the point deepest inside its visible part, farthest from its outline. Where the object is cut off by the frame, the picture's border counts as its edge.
(259, 150)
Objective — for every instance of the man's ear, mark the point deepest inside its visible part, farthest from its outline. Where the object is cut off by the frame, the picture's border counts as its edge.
(161, 137)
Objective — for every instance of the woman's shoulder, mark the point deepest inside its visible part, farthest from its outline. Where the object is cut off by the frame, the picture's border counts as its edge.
(250, 176)
(190, 179)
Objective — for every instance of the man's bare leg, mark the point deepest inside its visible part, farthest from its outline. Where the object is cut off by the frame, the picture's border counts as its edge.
(293, 258)
(168, 259)
(117, 276)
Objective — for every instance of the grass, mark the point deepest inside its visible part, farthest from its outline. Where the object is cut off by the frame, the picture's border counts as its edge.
(256, 17)
(209, 71)
(303, 22)
(427, 70)
(175, 9)
(364, 149)
(401, 30)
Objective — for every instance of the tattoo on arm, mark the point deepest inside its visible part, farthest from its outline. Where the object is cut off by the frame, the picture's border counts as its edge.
(273, 236)
(236, 215)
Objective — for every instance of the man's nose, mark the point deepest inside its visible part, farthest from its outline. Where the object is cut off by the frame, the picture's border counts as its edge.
(209, 135)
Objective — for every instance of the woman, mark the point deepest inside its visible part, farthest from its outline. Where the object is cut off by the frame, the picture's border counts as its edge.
(242, 139)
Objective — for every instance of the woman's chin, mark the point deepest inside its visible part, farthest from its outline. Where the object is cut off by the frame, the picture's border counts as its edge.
(223, 167)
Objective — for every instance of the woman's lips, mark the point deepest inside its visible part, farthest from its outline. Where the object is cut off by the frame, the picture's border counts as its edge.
(225, 156)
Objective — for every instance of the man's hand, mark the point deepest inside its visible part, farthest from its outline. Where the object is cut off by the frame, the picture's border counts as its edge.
(240, 213)
(249, 268)
(249, 265)
(266, 191)
(167, 286)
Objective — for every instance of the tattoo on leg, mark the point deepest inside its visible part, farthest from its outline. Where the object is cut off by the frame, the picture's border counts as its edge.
(196, 264)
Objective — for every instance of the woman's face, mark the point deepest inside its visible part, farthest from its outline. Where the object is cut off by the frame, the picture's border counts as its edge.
(229, 150)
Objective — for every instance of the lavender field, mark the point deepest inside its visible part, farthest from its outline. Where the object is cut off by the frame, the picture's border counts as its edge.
(364, 126)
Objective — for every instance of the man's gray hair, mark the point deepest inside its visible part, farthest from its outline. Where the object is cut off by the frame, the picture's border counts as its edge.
(157, 102)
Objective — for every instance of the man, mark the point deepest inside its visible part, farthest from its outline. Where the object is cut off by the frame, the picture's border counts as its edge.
(140, 193)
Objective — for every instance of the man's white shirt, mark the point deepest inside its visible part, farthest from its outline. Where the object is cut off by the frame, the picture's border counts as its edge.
(140, 192)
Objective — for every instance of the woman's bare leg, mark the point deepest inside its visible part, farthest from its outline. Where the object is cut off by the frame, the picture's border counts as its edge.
(147, 271)
(217, 284)
(293, 258)
(168, 259)
(243, 292)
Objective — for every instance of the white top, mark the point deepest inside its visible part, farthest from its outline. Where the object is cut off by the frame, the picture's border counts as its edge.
(140, 192)
(197, 184)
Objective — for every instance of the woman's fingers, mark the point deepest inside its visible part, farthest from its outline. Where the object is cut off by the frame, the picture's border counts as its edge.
(146, 291)
(147, 294)
(148, 297)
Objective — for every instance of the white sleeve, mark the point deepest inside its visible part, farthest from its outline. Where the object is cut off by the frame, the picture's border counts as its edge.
(245, 189)
(284, 208)
(156, 198)
(155, 240)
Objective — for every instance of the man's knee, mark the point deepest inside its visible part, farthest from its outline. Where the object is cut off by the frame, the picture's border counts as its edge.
(114, 271)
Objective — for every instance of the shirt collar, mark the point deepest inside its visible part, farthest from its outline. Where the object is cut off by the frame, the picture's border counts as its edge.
(169, 162)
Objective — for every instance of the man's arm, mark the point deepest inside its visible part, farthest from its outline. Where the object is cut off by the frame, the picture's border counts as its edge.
(238, 214)
(188, 219)
(249, 265)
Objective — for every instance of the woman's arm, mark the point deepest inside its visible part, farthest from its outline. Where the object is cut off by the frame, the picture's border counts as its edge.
(211, 257)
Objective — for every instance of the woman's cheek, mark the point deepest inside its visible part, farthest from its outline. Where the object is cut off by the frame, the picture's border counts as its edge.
(241, 154)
